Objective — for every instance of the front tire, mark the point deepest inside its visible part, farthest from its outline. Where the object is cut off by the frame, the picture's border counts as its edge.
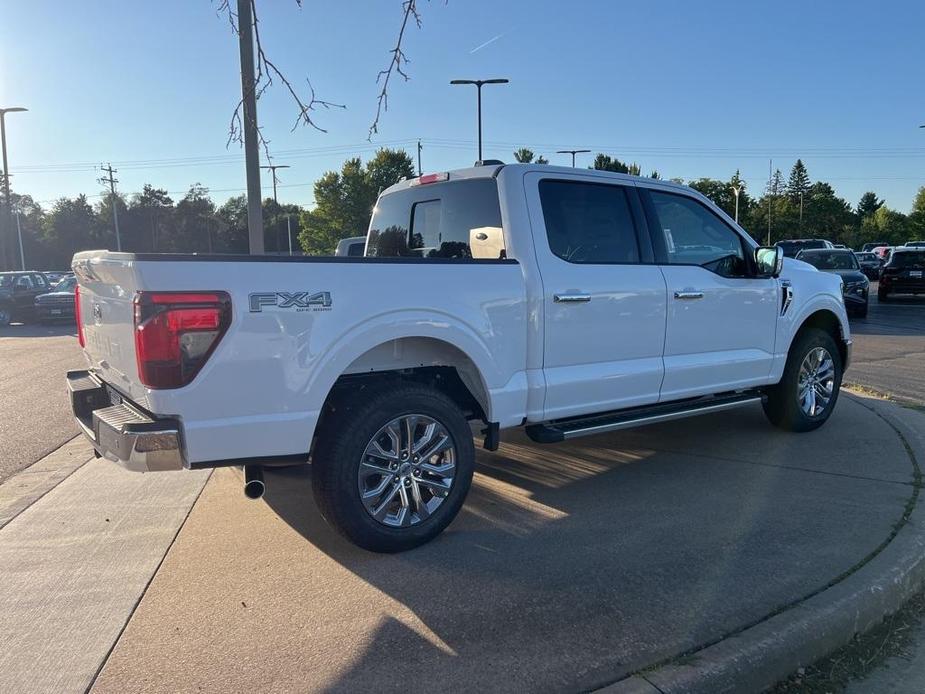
(5, 317)
(806, 395)
(392, 467)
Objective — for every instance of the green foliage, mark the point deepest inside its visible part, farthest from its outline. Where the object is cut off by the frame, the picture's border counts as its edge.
(523, 155)
(542, 160)
(603, 162)
(799, 182)
(344, 201)
(868, 204)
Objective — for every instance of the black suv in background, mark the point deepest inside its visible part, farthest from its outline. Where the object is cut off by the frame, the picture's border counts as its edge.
(793, 246)
(904, 273)
(17, 295)
(870, 264)
(842, 262)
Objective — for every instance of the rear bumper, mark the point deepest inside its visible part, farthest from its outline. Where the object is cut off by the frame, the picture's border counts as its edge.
(121, 432)
(53, 312)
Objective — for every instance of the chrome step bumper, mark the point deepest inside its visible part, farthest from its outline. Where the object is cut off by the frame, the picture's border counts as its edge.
(120, 432)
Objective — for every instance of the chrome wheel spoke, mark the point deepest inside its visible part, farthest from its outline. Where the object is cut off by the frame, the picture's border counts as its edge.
(407, 470)
(816, 382)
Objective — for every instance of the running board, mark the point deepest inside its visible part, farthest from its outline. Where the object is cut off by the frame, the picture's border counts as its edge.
(564, 429)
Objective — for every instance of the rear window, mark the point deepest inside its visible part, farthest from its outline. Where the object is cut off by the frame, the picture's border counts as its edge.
(908, 259)
(456, 219)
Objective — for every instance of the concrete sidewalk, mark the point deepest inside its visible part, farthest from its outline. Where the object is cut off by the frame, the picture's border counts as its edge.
(75, 563)
(571, 566)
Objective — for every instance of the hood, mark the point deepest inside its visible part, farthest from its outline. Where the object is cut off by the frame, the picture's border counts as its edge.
(847, 275)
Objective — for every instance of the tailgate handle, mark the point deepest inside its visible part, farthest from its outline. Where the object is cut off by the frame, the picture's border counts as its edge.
(572, 298)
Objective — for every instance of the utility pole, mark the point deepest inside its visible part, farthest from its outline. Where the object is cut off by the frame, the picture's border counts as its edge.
(22, 256)
(112, 199)
(801, 209)
(249, 124)
(6, 227)
(273, 168)
(478, 85)
(420, 173)
(770, 194)
(289, 231)
(573, 152)
(736, 190)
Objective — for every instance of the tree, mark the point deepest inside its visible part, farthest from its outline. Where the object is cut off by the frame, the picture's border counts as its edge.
(523, 155)
(722, 194)
(799, 182)
(868, 204)
(603, 162)
(71, 226)
(884, 225)
(918, 203)
(196, 223)
(526, 156)
(148, 221)
(344, 201)
(654, 174)
(776, 185)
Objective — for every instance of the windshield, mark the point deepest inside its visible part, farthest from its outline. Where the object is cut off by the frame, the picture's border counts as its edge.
(866, 257)
(908, 259)
(830, 260)
(66, 285)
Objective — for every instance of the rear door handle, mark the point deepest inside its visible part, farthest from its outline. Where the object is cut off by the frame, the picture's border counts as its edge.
(688, 294)
(573, 298)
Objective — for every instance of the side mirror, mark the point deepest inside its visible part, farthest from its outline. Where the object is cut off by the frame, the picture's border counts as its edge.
(770, 260)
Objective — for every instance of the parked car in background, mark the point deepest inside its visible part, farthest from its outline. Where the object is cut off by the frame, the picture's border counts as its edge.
(904, 273)
(569, 301)
(883, 252)
(915, 244)
(842, 262)
(869, 264)
(17, 295)
(793, 246)
(871, 246)
(352, 247)
(58, 304)
(55, 276)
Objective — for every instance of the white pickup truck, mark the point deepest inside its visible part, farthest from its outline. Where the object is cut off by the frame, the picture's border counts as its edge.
(566, 301)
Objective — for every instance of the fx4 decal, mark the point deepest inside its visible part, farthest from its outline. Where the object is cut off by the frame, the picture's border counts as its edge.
(299, 301)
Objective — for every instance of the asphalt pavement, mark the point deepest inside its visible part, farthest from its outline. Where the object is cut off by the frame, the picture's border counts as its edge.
(569, 567)
(35, 416)
(889, 349)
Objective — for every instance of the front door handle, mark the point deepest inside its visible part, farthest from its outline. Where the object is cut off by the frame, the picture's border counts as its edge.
(688, 294)
(572, 298)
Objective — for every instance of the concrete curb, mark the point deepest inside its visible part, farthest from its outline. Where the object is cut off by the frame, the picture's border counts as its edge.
(762, 655)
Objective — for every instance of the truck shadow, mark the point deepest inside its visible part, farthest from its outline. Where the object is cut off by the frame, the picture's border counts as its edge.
(612, 553)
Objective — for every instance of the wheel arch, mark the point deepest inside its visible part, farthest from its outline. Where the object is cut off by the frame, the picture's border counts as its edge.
(827, 320)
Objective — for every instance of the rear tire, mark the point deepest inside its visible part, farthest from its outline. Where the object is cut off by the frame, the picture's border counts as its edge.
(882, 295)
(355, 455)
(796, 402)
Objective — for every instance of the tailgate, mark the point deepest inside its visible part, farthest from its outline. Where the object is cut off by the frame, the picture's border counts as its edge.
(108, 283)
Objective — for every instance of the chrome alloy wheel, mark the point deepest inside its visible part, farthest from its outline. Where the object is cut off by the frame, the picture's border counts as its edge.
(817, 381)
(407, 470)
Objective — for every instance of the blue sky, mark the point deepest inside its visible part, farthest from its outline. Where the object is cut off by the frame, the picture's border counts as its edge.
(690, 89)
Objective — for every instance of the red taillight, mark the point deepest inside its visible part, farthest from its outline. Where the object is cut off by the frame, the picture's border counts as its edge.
(80, 324)
(176, 332)
(430, 178)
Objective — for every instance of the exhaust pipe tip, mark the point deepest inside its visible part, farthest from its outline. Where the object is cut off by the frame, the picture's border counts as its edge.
(254, 486)
(254, 489)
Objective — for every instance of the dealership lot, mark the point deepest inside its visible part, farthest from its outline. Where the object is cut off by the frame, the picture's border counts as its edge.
(570, 567)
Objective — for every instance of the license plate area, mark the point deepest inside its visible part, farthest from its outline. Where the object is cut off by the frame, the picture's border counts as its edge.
(114, 397)
(917, 274)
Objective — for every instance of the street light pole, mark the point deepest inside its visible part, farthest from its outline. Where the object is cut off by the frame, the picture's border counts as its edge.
(573, 152)
(478, 85)
(22, 256)
(736, 190)
(6, 231)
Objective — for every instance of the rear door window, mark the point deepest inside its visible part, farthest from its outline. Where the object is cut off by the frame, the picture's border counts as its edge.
(589, 222)
(455, 219)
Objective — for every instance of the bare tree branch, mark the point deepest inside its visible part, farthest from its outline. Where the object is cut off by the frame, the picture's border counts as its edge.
(266, 72)
(396, 65)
